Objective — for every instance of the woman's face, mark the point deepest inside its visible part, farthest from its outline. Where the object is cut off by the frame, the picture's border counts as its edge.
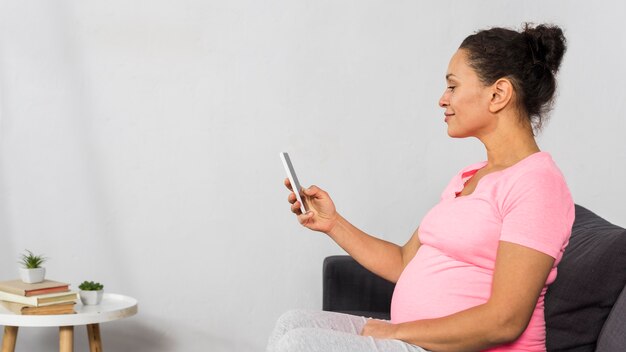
(466, 100)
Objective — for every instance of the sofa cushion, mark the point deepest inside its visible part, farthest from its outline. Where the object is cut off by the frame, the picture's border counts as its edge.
(590, 278)
(613, 335)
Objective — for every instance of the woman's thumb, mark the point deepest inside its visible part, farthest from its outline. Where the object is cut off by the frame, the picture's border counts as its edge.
(310, 191)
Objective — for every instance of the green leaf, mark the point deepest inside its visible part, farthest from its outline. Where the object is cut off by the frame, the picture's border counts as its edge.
(31, 261)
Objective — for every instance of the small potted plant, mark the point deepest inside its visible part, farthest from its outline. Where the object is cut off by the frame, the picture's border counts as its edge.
(91, 293)
(31, 271)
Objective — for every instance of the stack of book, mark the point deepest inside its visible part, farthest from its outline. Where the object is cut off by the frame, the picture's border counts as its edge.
(44, 298)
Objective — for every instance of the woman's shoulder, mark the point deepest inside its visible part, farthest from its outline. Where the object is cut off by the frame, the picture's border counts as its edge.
(537, 177)
(538, 166)
(536, 174)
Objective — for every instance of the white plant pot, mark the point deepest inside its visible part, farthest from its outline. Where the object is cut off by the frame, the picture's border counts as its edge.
(32, 276)
(91, 298)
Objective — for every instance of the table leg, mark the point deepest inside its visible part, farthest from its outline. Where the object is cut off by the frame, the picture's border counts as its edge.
(95, 342)
(10, 336)
(66, 338)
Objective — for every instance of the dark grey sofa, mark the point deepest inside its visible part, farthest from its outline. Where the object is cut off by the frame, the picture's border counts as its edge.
(585, 307)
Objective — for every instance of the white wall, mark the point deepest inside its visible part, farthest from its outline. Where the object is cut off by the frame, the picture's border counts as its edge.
(139, 143)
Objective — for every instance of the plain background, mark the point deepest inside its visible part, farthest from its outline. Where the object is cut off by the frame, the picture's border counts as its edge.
(139, 144)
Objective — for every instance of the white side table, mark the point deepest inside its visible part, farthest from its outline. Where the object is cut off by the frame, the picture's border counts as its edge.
(112, 307)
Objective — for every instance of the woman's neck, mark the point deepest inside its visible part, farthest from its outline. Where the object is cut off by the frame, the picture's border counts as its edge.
(506, 148)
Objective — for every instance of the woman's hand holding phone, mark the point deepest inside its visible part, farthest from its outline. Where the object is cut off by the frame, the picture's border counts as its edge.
(322, 215)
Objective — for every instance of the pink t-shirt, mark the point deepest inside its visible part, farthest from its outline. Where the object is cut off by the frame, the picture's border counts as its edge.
(528, 203)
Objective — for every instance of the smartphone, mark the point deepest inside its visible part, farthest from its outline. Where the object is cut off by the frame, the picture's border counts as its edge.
(295, 185)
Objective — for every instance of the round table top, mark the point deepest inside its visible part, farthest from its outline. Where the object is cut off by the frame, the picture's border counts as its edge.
(112, 307)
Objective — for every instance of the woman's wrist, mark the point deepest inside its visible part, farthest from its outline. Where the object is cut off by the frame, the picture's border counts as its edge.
(336, 226)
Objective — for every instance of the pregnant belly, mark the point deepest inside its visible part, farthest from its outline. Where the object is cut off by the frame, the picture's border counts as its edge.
(434, 285)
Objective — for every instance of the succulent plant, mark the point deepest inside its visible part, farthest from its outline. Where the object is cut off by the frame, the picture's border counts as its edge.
(90, 286)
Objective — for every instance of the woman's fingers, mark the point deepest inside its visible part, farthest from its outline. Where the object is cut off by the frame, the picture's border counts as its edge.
(308, 195)
(295, 208)
(288, 184)
(292, 198)
(304, 218)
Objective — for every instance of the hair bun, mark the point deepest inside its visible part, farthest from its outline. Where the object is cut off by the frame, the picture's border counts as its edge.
(546, 45)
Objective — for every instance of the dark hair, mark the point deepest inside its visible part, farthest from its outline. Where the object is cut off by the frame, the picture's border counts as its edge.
(530, 59)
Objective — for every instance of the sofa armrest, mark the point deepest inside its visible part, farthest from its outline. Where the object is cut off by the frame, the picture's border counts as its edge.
(350, 288)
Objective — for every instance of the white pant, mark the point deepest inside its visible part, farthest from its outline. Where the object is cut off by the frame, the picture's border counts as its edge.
(320, 331)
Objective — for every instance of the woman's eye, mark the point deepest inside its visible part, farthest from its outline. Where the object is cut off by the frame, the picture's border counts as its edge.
(451, 88)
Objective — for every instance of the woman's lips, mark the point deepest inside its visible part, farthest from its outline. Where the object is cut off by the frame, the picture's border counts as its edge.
(447, 117)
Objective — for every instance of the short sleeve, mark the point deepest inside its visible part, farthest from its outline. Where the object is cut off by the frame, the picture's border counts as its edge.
(538, 212)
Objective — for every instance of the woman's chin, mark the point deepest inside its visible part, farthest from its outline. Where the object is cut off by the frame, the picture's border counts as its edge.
(452, 133)
(456, 134)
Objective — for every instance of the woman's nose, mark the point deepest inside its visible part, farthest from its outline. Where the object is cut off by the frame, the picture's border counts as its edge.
(443, 101)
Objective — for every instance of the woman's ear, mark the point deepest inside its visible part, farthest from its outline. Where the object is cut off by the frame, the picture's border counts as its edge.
(502, 95)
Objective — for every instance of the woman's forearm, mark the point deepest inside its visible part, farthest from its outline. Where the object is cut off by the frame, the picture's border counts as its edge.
(379, 256)
(475, 329)
(519, 277)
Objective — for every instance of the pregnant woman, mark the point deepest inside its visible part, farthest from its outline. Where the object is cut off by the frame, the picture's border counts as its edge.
(474, 274)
